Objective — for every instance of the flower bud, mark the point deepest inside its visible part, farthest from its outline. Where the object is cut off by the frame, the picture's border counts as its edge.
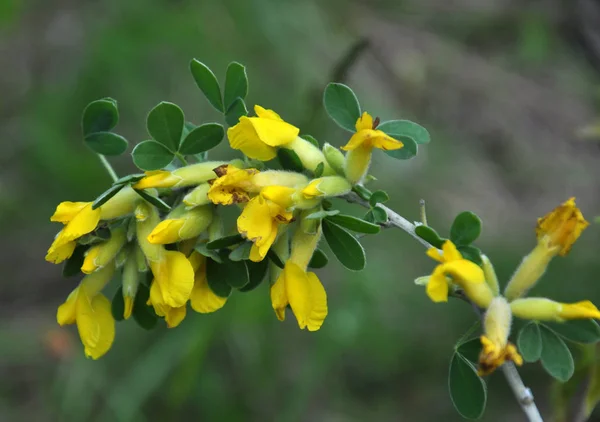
(198, 196)
(185, 176)
(182, 224)
(327, 186)
(490, 275)
(131, 279)
(335, 158)
(542, 309)
(310, 155)
(100, 255)
(123, 203)
(528, 273)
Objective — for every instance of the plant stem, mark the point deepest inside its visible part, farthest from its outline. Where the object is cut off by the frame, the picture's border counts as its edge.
(111, 172)
(181, 158)
(521, 392)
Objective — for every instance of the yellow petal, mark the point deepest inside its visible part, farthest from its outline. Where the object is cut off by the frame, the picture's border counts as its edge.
(175, 277)
(157, 179)
(255, 221)
(450, 251)
(273, 132)
(385, 142)
(243, 137)
(174, 316)
(203, 299)
(306, 295)
(231, 185)
(264, 245)
(128, 307)
(562, 226)
(543, 309)
(266, 113)
(437, 287)
(318, 310)
(66, 211)
(66, 313)
(364, 122)
(166, 232)
(434, 253)
(280, 195)
(464, 271)
(357, 140)
(279, 298)
(89, 263)
(84, 222)
(95, 324)
(579, 310)
(60, 250)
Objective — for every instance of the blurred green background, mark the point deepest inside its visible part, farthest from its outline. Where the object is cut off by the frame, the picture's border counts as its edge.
(504, 87)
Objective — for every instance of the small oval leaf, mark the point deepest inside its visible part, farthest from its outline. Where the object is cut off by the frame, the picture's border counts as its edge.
(143, 313)
(208, 84)
(202, 138)
(530, 342)
(256, 273)
(467, 390)
(465, 229)
(154, 200)
(165, 124)
(345, 246)
(408, 151)
(289, 160)
(556, 356)
(355, 224)
(105, 196)
(236, 83)
(577, 331)
(106, 143)
(318, 260)
(471, 253)
(378, 197)
(99, 116)
(150, 155)
(403, 129)
(72, 266)
(117, 306)
(225, 242)
(430, 235)
(342, 105)
(236, 110)
(216, 276)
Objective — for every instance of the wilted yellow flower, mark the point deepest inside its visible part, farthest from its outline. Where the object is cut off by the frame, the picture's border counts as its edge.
(468, 275)
(361, 145)
(258, 136)
(561, 227)
(182, 224)
(496, 348)
(259, 222)
(90, 310)
(542, 309)
(191, 175)
(100, 255)
(232, 185)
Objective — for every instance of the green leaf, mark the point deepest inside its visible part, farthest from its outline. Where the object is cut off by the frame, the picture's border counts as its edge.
(312, 140)
(470, 349)
(106, 143)
(355, 224)
(165, 124)
(530, 342)
(202, 138)
(99, 116)
(117, 306)
(236, 83)
(97, 236)
(256, 273)
(345, 246)
(578, 331)
(430, 235)
(405, 129)
(225, 242)
(319, 215)
(342, 105)
(73, 265)
(242, 252)
(150, 155)
(379, 215)
(272, 255)
(362, 192)
(318, 260)
(142, 313)
(207, 82)
(556, 356)
(378, 197)
(236, 110)
(202, 249)
(408, 151)
(467, 390)
(216, 274)
(289, 160)
(106, 195)
(465, 229)
(154, 200)
(129, 179)
(471, 253)
(319, 169)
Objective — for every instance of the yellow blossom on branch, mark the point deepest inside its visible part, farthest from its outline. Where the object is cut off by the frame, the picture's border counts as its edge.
(542, 309)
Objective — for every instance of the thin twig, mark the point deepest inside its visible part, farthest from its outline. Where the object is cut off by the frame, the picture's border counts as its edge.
(522, 393)
(111, 172)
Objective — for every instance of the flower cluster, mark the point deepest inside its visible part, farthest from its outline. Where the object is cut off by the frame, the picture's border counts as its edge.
(556, 233)
(175, 251)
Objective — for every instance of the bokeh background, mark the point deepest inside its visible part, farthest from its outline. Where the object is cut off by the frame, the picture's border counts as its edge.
(508, 90)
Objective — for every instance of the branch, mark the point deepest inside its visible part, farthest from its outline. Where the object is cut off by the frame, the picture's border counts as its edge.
(522, 393)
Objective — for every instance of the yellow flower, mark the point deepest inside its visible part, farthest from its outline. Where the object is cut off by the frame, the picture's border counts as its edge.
(232, 185)
(259, 222)
(182, 224)
(361, 145)
(542, 309)
(466, 274)
(258, 136)
(191, 175)
(103, 253)
(202, 299)
(496, 348)
(90, 310)
(80, 219)
(561, 227)
(298, 288)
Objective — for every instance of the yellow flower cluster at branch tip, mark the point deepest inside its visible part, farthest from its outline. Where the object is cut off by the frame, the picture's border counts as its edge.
(361, 144)
(464, 273)
(257, 137)
(560, 228)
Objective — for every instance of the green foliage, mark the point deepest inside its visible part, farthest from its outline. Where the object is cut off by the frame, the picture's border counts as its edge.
(319, 215)
(106, 195)
(117, 306)
(472, 253)
(236, 84)
(530, 342)
(274, 258)
(344, 246)
(289, 160)
(467, 390)
(106, 143)
(577, 331)
(143, 314)
(318, 260)
(241, 252)
(202, 138)
(207, 82)
(72, 266)
(154, 200)
(465, 229)
(151, 155)
(353, 223)
(430, 235)
(311, 139)
(236, 110)
(165, 124)
(219, 277)
(342, 105)
(556, 357)
(225, 242)
(256, 274)
(378, 197)
(99, 117)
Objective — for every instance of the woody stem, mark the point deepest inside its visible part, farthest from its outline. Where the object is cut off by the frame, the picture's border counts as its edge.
(521, 392)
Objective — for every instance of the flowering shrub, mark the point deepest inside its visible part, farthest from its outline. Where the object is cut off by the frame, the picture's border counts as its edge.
(163, 235)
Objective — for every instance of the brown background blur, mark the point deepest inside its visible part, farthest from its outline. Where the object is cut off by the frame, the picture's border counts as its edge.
(507, 88)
